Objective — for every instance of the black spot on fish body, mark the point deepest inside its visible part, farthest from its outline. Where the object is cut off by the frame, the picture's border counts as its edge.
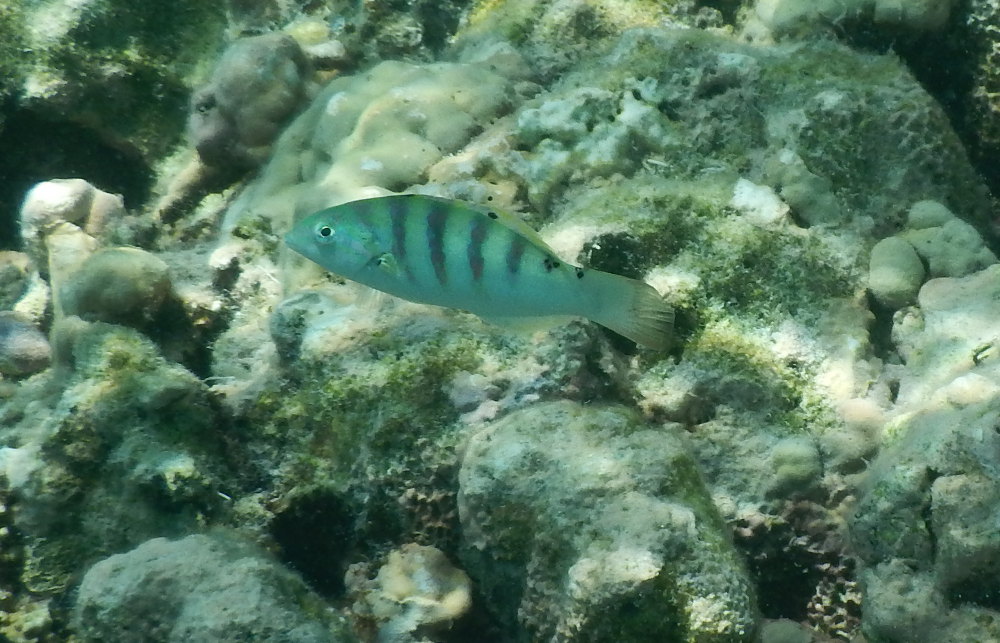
(579, 273)
(492, 215)
(550, 264)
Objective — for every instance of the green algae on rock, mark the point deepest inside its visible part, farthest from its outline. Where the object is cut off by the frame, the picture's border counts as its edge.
(612, 536)
(124, 451)
(100, 61)
(119, 285)
(202, 587)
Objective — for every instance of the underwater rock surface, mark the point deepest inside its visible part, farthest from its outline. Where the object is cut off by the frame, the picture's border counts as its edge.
(814, 458)
(198, 588)
(612, 536)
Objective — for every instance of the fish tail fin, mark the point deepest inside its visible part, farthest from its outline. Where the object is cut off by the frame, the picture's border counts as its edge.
(633, 309)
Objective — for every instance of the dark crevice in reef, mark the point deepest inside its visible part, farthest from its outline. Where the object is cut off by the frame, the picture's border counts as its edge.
(34, 149)
(314, 533)
(881, 331)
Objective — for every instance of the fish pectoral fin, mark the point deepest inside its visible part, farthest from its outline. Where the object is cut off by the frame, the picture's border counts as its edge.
(527, 324)
(387, 263)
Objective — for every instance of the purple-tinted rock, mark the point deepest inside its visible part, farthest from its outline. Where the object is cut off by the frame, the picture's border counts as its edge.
(256, 87)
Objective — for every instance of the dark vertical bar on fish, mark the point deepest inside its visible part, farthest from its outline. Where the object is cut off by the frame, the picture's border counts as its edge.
(515, 251)
(437, 218)
(477, 235)
(398, 211)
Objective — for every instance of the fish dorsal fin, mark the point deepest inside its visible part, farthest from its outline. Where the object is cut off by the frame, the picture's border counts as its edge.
(504, 218)
(516, 224)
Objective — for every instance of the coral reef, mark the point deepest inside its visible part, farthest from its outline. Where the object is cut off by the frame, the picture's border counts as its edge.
(800, 560)
(983, 108)
(199, 588)
(800, 18)
(611, 537)
(812, 459)
(417, 590)
(122, 450)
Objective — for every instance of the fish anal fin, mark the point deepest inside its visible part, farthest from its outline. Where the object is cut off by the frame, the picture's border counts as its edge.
(527, 324)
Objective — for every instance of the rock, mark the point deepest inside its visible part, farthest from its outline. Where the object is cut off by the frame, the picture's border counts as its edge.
(981, 105)
(117, 70)
(580, 522)
(118, 285)
(810, 196)
(68, 247)
(954, 249)
(922, 522)
(902, 604)
(24, 350)
(795, 467)
(759, 203)
(801, 17)
(786, 631)
(554, 33)
(895, 273)
(15, 269)
(199, 588)
(951, 247)
(927, 214)
(129, 432)
(952, 333)
(257, 85)
(964, 509)
(65, 200)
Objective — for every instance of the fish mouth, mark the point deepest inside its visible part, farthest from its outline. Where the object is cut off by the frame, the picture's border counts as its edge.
(295, 244)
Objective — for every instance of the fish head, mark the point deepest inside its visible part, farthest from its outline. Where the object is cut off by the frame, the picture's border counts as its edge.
(339, 242)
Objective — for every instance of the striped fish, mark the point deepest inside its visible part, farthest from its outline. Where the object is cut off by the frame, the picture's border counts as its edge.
(455, 254)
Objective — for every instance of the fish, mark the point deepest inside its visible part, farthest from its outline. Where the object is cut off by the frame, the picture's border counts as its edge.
(476, 258)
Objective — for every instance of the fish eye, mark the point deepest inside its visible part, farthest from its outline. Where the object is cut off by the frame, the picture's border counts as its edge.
(324, 232)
